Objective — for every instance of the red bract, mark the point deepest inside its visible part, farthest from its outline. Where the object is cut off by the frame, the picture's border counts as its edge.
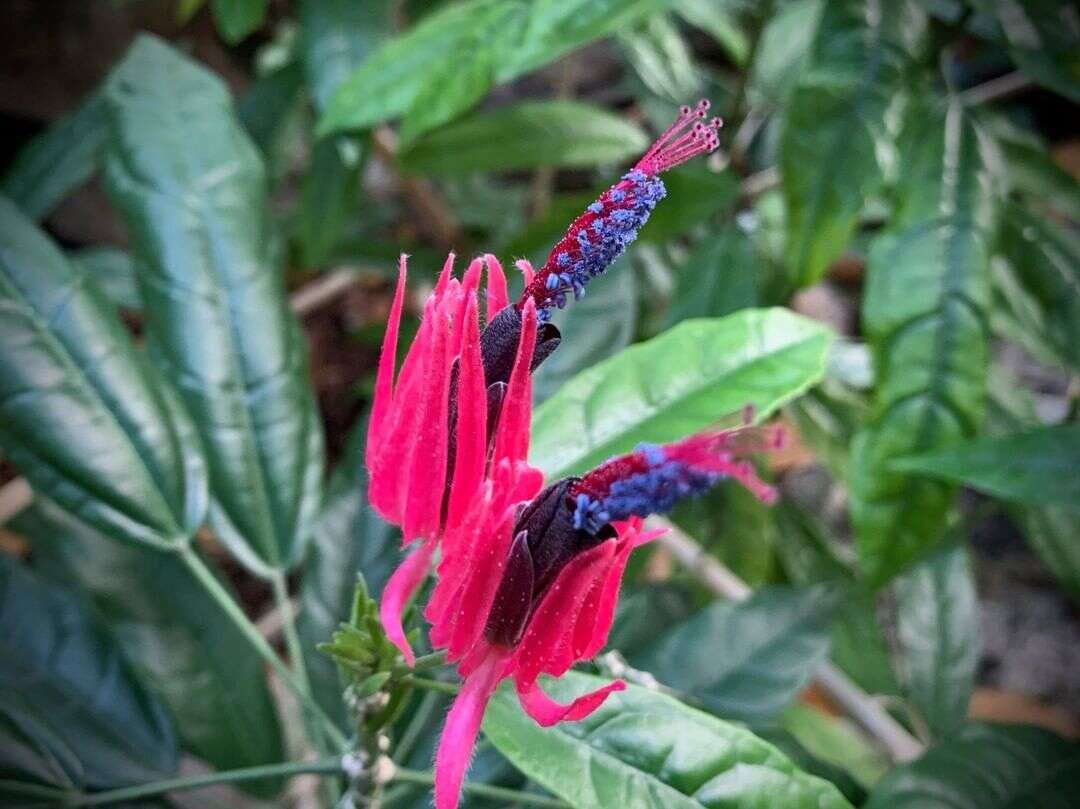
(421, 475)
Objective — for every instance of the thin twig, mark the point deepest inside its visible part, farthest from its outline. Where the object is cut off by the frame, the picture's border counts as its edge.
(996, 89)
(856, 703)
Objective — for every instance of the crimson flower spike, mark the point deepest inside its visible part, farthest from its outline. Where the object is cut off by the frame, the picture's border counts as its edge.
(611, 223)
(527, 590)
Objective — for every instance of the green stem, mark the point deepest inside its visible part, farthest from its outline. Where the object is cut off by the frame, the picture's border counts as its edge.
(326, 766)
(484, 790)
(432, 685)
(229, 606)
(12, 787)
(423, 663)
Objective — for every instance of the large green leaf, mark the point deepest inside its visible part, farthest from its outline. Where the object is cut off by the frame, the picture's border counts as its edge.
(683, 380)
(783, 49)
(643, 750)
(1044, 39)
(57, 161)
(1038, 284)
(395, 78)
(237, 18)
(827, 149)
(192, 188)
(65, 685)
(593, 329)
(336, 37)
(526, 135)
(924, 312)
(81, 414)
(719, 277)
(349, 538)
(1037, 466)
(986, 767)
(183, 647)
(937, 638)
(661, 58)
(745, 661)
(113, 271)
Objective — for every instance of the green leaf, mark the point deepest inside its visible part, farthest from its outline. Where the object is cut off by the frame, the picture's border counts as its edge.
(644, 613)
(113, 271)
(81, 415)
(193, 191)
(348, 539)
(186, 651)
(57, 161)
(1044, 40)
(720, 21)
(593, 329)
(526, 135)
(937, 638)
(772, 644)
(329, 198)
(1038, 284)
(336, 37)
(236, 19)
(924, 313)
(986, 767)
(719, 277)
(1050, 530)
(392, 79)
(662, 60)
(783, 50)
(66, 686)
(1038, 466)
(1031, 170)
(681, 381)
(268, 105)
(837, 742)
(643, 750)
(827, 149)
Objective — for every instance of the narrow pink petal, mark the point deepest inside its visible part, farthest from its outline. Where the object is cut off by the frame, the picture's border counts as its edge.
(497, 295)
(547, 646)
(512, 433)
(427, 469)
(384, 379)
(459, 733)
(598, 610)
(547, 712)
(444, 276)
(471, 427)
(399, 589)
(527, 271)
(471, 280)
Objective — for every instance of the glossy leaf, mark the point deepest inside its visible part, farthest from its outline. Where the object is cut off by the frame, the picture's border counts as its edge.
(1038, 466)
(986, 767)
(685, 379)
(193, 191)
(719, 277)
(643, 750)
(348, 539)
(81, 415)
(745, 661)
(57, 161)
(593, 329)
(1044, 39)
(827, 150)
(837, 742)
(61, 677)
(183, 647)
(336, 37)
(113, 271)
(236, 19)
(924, 309)
(937, 638)
(1050, 530)
(529, 35)
(1038, 284)
(783, 49)
(329, 198)
(527, 135)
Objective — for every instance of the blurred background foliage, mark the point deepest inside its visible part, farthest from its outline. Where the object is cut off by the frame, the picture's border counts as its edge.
(904, 172)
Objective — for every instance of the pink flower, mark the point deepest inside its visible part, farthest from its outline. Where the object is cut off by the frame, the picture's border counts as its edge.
(530, 590)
